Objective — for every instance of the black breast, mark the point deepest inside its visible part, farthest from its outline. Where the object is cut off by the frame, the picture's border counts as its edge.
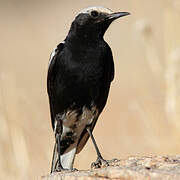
(80, 77)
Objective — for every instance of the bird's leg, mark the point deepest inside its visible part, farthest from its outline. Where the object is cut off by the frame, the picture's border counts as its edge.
(56, 161)
(100, 162)
(58, 166)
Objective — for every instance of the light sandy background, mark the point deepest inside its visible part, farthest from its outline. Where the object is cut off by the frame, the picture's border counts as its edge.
(142, 113)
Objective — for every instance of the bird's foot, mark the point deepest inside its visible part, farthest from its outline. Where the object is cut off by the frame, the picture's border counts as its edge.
(73, 169)
(61, 169)
(64, 170)
(100, 162)
(58, 168)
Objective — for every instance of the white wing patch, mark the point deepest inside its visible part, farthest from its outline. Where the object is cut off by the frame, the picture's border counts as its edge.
(52, 55)
(96, 8)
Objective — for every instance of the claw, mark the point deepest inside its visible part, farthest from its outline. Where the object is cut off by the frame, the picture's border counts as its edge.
(58, 169)
(100, 162)
(74, 169)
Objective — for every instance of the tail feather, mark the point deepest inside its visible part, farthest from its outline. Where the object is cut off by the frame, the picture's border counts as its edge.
(67, 159)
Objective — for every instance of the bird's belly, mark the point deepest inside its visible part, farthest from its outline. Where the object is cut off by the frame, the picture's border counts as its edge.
(74, 123)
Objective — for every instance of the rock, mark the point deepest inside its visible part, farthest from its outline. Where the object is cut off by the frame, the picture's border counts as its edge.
(132, 168)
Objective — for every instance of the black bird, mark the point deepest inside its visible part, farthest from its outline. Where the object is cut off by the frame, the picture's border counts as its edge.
(80, 73)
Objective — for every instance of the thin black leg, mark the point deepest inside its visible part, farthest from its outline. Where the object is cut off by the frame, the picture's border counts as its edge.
(56, 161)
(100, 161)
(53, 163)
(94, 142)
(58, 166)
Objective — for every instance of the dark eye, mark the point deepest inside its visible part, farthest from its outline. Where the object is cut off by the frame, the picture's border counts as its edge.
(94, 14)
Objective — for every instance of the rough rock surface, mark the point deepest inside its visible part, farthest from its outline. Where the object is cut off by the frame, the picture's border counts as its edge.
(132, 168)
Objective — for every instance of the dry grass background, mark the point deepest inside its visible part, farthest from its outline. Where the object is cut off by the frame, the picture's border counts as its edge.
(142, 113)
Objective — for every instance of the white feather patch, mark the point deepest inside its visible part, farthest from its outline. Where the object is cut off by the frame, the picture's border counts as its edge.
(100, 9)
(67, 159)
(52, 55)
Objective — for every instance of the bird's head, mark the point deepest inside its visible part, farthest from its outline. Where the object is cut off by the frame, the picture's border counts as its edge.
(94, 21)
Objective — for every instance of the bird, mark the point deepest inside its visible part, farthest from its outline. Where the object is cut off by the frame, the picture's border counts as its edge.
(80, 72)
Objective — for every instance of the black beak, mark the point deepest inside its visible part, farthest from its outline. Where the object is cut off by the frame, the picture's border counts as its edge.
(117, 15)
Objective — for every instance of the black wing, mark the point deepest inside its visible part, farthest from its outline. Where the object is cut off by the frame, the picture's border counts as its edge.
(109, 76)
(51, 76)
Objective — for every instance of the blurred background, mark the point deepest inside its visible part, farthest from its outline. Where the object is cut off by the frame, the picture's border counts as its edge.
(142, 116)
